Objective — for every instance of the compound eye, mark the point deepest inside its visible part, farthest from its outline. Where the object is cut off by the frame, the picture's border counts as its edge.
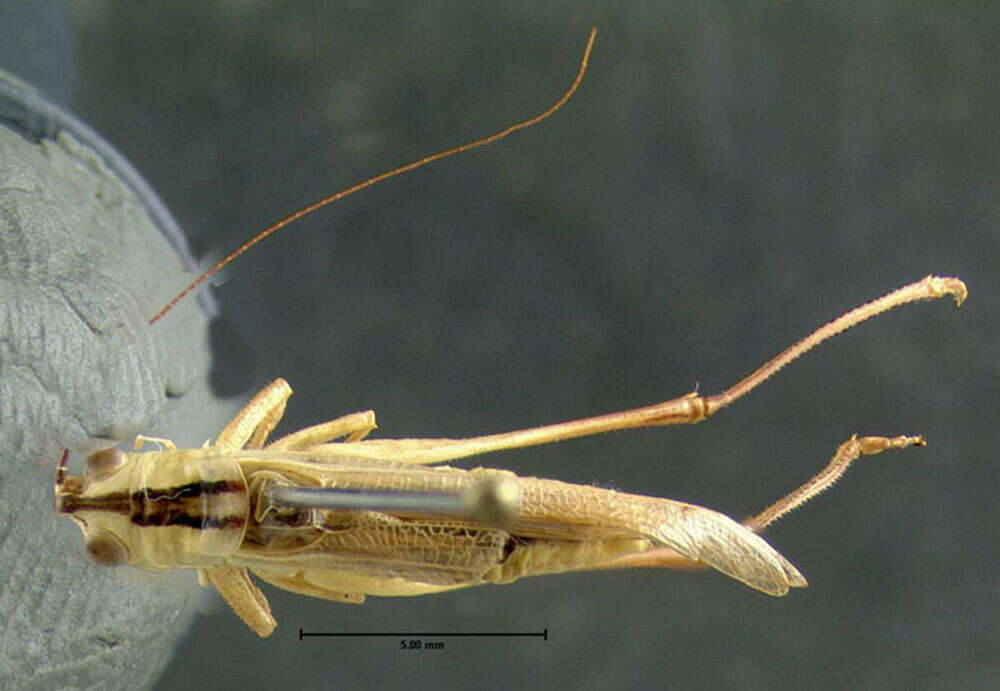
(104, 550)
(102, 463)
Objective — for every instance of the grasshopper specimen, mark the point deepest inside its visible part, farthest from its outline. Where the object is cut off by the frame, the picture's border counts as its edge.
(218, 510)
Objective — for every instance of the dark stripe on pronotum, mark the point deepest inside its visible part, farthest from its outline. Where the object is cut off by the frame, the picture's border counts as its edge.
(186, 506)
(189, 491)
(179, 505)
(184, 519)
(119, 501)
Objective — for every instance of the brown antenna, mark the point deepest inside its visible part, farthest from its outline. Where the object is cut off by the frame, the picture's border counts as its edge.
(305, 211)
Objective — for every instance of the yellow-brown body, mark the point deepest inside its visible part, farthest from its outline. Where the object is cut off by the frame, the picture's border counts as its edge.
(198, 508)
(212, 509)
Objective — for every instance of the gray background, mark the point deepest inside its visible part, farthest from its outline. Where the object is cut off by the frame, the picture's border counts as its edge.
(726, 180)
(80, 265)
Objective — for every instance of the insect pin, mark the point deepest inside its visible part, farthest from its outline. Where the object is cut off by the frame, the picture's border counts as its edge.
(328, 513)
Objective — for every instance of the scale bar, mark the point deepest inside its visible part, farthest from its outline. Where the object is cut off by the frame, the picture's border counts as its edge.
(544, 634)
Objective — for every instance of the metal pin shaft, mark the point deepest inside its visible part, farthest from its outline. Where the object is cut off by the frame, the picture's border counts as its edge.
(491, 500)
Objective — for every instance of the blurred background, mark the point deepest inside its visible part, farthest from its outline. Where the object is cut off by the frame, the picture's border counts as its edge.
(727, 179)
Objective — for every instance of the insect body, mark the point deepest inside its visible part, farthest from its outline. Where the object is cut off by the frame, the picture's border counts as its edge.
(236, 507)
(214, 509)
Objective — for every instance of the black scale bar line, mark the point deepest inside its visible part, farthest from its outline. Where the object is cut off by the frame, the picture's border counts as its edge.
(423, 634)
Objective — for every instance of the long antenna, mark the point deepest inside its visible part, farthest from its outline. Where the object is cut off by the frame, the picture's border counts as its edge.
(305, 211)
